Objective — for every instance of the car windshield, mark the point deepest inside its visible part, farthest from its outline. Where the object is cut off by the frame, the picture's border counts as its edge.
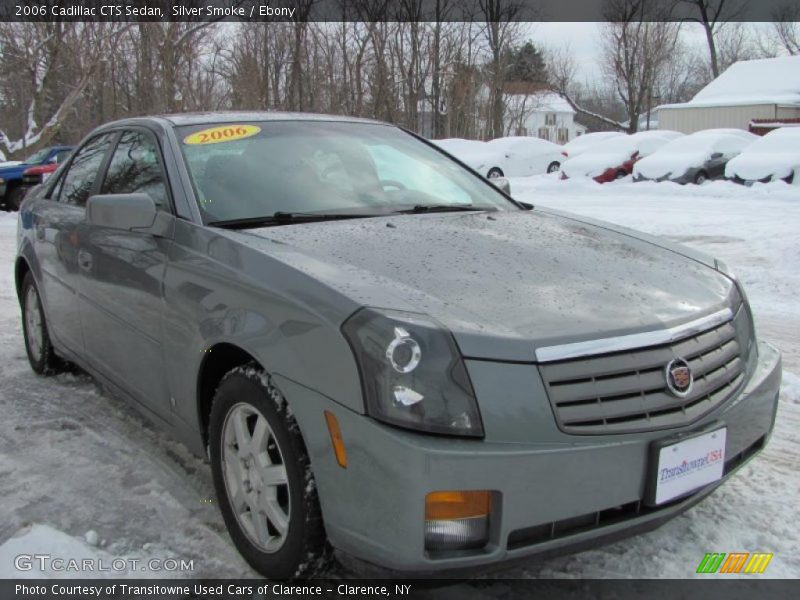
(37, 157)
(247, 170)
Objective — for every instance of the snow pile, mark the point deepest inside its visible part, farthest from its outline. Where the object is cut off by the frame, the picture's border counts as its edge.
(63, 556)
(775, 156)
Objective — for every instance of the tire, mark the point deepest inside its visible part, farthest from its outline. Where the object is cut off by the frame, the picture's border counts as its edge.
(14, 197)
(700, 178)
(620, 174)
(38, 347)
(554, 167)
(494, 173)
(247, 398)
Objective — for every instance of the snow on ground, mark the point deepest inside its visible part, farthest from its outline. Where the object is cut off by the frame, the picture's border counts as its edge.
(79, 466)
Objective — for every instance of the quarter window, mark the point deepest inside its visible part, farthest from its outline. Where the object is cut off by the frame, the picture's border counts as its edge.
(135, 168)
(79, 180)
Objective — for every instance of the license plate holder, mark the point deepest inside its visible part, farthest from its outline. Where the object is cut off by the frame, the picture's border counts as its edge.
(680, 466)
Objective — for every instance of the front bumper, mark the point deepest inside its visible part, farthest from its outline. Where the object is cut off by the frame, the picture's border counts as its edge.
(558, 494)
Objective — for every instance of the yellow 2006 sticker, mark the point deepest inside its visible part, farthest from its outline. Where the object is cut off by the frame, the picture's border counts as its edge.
(223, 133)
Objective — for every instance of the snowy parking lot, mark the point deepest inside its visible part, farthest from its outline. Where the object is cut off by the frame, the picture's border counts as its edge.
(82, 474)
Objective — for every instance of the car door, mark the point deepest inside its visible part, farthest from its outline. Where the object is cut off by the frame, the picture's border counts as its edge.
(121, 278)
(56, 221)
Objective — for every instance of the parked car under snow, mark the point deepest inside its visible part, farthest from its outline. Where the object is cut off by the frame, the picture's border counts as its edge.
(695, 158)
(585, 142)
(518, 156)
(774, 157)
(614, 158)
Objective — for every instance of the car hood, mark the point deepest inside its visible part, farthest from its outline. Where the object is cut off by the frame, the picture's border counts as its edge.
(757, 165)
(504, 283)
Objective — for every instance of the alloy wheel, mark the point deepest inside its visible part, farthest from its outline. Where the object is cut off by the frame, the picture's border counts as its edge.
(255, 477)
(33, 323)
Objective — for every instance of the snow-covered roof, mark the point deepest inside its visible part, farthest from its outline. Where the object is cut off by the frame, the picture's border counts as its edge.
(543, 101)
(762, 81)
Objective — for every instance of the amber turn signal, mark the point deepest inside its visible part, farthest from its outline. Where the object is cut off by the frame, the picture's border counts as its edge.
(457, 505)
(336, 439)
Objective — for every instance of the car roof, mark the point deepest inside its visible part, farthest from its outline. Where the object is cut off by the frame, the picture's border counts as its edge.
(201, 118)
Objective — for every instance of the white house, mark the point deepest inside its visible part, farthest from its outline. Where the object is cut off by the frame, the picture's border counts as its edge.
(539, 113)
(751, 89)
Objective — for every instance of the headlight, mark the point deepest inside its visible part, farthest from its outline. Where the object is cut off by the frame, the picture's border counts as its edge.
(2, 180)
(412, 373)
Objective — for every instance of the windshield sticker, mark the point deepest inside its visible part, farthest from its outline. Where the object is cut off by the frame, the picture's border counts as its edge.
(224, 133)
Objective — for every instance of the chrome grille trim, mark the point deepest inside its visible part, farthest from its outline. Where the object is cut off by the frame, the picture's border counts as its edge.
(635, 340)
(626, 391)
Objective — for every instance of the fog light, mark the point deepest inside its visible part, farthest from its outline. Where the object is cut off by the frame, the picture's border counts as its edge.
(457, 520)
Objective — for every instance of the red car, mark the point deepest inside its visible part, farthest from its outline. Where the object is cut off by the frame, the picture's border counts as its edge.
(38, 174)
(614, 158)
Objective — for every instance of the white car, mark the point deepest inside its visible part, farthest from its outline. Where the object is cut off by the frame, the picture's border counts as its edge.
(582, 143)
(694, 158)
(519, 156)
(614, 158)
(775, 156)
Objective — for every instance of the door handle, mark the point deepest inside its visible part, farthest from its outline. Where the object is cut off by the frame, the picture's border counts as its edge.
(84, 260)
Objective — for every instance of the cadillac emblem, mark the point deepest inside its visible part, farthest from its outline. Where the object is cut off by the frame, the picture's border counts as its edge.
(679, 377)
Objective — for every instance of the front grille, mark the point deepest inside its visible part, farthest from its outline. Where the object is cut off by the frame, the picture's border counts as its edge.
(627, 391)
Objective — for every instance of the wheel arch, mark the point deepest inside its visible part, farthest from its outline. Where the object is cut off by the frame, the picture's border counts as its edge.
(21, 268)
(218, 360)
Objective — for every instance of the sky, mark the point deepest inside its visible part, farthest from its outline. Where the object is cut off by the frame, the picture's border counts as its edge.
(584, 41)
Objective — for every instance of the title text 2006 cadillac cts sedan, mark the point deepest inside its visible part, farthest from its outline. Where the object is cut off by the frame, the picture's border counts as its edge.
(380, 351)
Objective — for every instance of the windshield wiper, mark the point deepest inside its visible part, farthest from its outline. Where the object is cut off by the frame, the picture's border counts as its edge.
(284, 218)
(425, 208)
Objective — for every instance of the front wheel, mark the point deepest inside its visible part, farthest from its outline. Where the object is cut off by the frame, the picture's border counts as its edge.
(15, 197)
(41, 355)
(494, 173)
(553, 167)
(701, 178)
(263, 478)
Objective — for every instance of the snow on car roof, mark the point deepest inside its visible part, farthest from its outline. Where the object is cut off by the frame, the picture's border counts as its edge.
(785, 139)
(519, 140)
(706, 140)
(762, 81)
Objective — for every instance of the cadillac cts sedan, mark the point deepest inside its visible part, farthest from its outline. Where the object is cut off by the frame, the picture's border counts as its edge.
(385, 357)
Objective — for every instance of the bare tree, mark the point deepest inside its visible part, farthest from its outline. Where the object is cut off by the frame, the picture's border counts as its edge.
(787, 27)
(562, 69)
(637, 42)
(501, 32)
(38, 92)
(712, 15)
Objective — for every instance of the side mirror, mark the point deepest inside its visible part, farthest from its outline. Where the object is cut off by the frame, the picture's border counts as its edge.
(121, 211)
(716, 155)
(503, 184)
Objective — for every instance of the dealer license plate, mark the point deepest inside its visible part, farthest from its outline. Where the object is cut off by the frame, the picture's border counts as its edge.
(689, 464)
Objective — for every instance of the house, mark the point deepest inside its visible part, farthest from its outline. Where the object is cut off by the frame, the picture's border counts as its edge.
(536, 112)
(748, 90)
